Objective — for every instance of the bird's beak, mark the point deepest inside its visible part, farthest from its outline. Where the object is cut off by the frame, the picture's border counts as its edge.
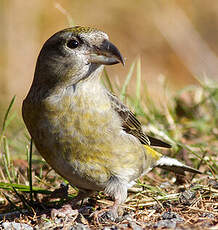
(106, 53)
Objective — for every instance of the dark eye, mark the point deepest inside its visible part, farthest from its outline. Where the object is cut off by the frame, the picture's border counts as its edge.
(72, 44)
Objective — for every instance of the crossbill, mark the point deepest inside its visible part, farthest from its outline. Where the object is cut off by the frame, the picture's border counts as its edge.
(84, 132)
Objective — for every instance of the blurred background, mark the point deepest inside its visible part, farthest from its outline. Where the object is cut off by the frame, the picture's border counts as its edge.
(176, 39)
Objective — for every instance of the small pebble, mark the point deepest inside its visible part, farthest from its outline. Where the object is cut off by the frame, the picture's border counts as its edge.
(213, 183)
(165, 224)
(79, 226)
(134, 226)
(169, 220)
(86, 210)
(16, 226)
(165, 185)
(172, 216)
(113, 227)
(208, 215)
(187, 197)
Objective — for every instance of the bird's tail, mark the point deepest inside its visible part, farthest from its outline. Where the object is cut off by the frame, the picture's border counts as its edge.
(174, 165)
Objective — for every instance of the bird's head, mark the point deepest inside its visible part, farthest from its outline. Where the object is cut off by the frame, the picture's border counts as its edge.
(73, 54)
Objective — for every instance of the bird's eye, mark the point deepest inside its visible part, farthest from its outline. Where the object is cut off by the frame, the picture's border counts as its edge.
(72, 44)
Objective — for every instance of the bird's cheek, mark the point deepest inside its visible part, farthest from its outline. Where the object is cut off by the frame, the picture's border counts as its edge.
(80, 59)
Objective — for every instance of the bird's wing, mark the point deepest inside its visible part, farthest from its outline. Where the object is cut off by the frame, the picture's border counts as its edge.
(131, 124)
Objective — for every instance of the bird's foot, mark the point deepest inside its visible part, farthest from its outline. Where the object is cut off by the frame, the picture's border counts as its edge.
(65, 210)
(107, 214)
(104, 215)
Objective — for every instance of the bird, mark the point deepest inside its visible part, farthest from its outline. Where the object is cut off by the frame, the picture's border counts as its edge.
(82, 130)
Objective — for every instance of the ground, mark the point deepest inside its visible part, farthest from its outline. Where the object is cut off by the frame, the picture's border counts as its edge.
(30, 189)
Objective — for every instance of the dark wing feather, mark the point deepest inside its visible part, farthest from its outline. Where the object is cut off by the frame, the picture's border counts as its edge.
(131, 125)
(157, 142)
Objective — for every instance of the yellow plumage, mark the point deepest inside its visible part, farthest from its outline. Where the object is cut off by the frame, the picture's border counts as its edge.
(154, 154)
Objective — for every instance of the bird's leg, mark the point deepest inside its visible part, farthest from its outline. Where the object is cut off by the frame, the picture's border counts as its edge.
(114, 208)
(117, 189)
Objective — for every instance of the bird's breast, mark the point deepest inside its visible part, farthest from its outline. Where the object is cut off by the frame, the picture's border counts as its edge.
(77, 126)
(81, 121)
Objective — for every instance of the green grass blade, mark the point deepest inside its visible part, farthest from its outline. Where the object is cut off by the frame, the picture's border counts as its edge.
(6, 152)
(22, 188)
(138, 82)
(127, 80)
(30, 169)
(6, 167)
(108, 81)
(5, 121)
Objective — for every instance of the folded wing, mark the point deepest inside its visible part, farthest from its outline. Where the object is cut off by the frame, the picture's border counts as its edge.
(131, 124)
